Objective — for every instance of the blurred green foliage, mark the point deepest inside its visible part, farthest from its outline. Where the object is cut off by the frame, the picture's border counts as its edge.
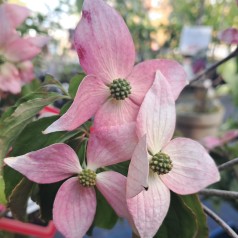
(219, 14)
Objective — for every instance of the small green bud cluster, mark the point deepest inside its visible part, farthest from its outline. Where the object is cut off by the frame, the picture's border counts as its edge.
(87, 178)
(120, 89)
(161, 163)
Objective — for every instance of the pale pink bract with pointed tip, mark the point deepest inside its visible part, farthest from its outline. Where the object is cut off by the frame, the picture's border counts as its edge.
(75, 205)
(106, 53)
(193, 168)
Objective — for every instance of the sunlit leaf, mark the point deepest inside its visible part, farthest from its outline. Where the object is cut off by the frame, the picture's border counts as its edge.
(74, 84)
(13, 125)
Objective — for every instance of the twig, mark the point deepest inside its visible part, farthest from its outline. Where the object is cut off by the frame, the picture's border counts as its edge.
(219, 221)
(219, 193)
(228, 164)
(204, 72)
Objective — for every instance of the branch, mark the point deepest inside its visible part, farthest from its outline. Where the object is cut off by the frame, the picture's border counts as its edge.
(204, 72)
(219, 221)
(228, 164)
(219, 193)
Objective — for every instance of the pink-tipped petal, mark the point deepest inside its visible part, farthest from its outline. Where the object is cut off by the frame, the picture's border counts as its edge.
(157, 115)
(105, 47)
(111, 145)
(74, 209)
(229, 36)
(137, 178)
(13, 13)
(116, 112)
(48, 165)
(10, 79)
(113, 187)
(20, 50)
(90, 96)
(143, 74)
(193, 168)
(149, 208)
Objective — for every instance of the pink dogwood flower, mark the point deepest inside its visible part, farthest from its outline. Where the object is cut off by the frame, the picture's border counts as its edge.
(160, 164)
(16, 52)
(75, 202)
(229, 36)
(113, 88)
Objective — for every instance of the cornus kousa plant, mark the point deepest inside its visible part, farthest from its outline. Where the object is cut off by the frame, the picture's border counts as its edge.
(75, 202)
(160, 164)
(16, 53)
(113, 89)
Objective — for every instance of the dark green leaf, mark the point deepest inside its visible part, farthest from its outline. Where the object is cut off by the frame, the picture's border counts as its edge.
(46, 197)
(11, 178)
(121, 167)
(105, 216)
(74, 84)
(65, 108)
(180, 221)
(4, 234)
(193, 203)
(31, 139)
(19, 198)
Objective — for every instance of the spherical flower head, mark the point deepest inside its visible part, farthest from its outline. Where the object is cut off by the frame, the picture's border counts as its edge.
(87, 178)
(120, 89)
(161, 163)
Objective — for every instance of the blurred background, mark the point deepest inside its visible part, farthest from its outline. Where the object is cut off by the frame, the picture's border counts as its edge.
(156, 27)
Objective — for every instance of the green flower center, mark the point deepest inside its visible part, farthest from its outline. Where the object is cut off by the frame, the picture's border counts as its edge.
(120, 89)
(2, 59)
(161, 163)
(87, 178)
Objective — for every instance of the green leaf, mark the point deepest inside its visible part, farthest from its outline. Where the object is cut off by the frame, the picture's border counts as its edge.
(180, 222)
(3, 199)
(194, 204)
(46, 197)
(105, 216)
(120, 167)
(31, 87)
(11, 178)
(19, 198)
(13, 125)
(65, 108)
(31, 139)
(74, 84)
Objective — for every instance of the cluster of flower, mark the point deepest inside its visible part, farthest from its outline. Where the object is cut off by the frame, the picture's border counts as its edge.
(134, 119)
(16, 52)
